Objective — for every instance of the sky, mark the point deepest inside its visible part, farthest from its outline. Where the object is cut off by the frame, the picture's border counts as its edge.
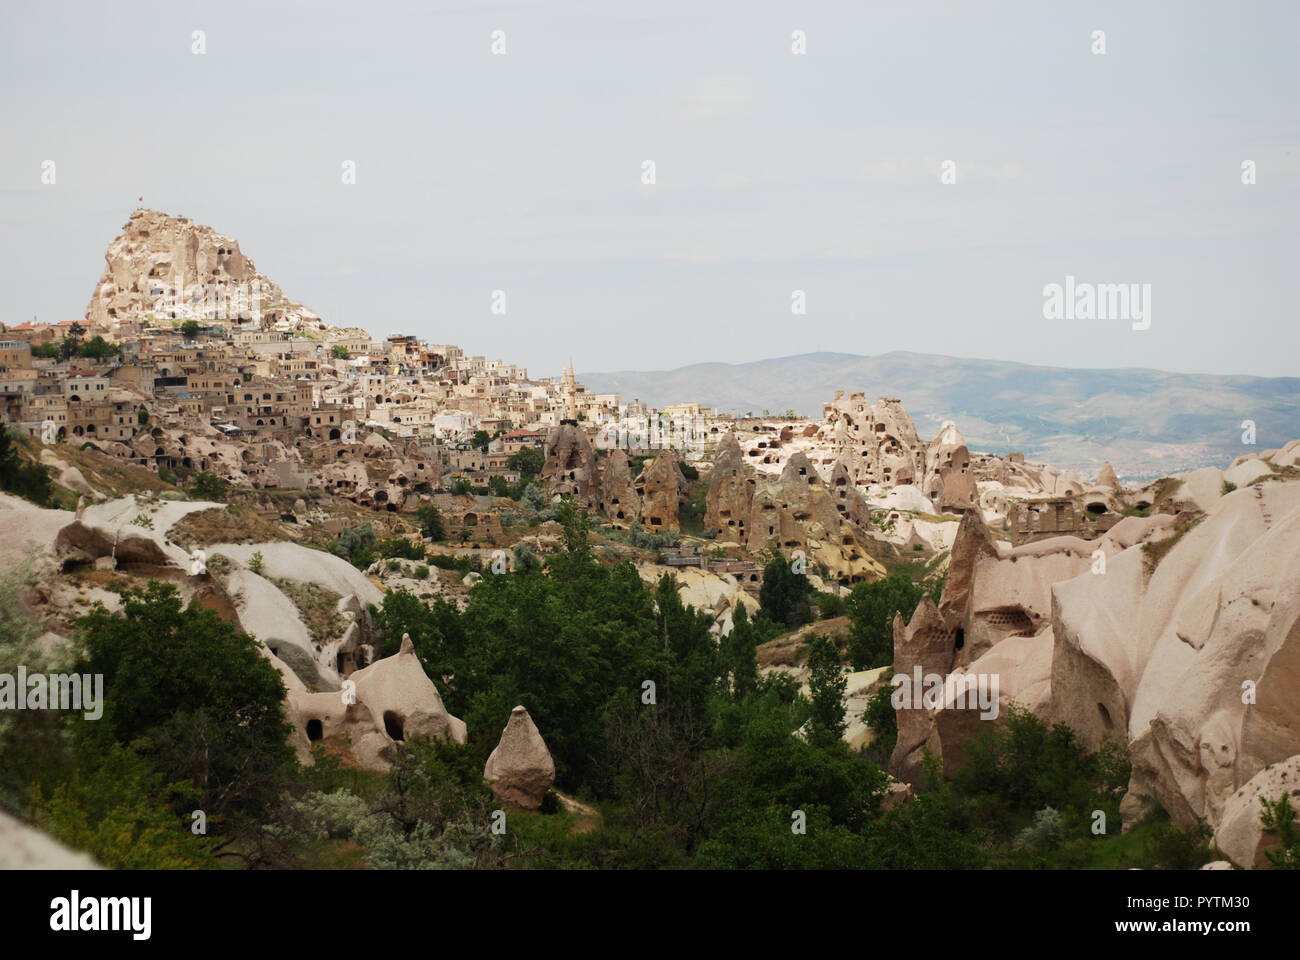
(774, 171)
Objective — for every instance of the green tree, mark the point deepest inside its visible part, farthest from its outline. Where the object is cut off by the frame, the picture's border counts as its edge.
(826, 685)
(871, 608)
(97, 348)
(739, 655)
(68, 348)
(22, 477)
(340, 352)
(480, 440)
(527, 460)
(1278, 817)
(784, 594)
(209, 486)
(221, 728)
(430, 520)
(190, 329)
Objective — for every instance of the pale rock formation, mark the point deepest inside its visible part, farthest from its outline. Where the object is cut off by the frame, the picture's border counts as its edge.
(995, 619)
(400, 694)
(1161, 657)
(570, 467)
(949, 481)
(1107, 478)
(798, 512)
(730, 499)
(618, 499)
(1246, 471)
(715, 593)
(905, 498)
(1239, 835)
(181, 260)
(877, 442)
(520, 770)
(662, 490)
(393, 701)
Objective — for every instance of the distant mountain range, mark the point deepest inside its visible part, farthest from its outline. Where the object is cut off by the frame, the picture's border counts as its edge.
(1147, 423)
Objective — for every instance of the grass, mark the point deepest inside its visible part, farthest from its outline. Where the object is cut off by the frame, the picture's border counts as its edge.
(234, 523)
(317, 606)
(1153, 553)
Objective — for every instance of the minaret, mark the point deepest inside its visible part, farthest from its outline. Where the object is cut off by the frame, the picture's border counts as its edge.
(570, 394)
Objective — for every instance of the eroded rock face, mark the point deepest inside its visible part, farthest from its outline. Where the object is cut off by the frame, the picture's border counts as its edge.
(1240, 835)
(393, 701)
(925, 644)
(1107, 478)
(663, 490)
(949, 479)
(78, 543)
(520, 769)
(730, 499)
(158, 252)
(570, 467)
(995, 619)
(877, 442)
(798, 512)
(618, 497)
(24, 847)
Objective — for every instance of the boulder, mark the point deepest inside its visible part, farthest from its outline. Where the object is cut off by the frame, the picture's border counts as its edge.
(1240, 836)
(520, 769)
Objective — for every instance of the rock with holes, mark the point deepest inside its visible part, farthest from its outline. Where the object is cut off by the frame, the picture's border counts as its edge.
(618, 496)
(798, 512)
(949, 481)
(662, 490)
(1188, 647)
(378, 708)
(570, 466)
(1240, 835)
(404, 700)
(730, 498)
(520, 769)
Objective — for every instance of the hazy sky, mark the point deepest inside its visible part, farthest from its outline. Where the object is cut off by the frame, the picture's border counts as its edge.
(775, 172)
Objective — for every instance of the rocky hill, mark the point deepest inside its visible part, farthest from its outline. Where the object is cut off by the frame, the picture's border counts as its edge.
(173, 268)
(1146, 422)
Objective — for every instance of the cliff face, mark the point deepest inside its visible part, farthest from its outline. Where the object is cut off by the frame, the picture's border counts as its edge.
(176, 269)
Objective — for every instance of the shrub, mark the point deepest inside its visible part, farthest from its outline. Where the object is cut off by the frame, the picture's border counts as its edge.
(400, 548)
(208, 486)
(256, 563)
(355, 545)
(28, 480)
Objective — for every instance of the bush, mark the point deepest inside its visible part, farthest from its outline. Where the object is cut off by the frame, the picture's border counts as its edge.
(355, 545)
(28, 480)
(208, 486)
(400, 548)
(784, 594)
(421, 572)
(430, 520)
(871, 608)
(256, 563)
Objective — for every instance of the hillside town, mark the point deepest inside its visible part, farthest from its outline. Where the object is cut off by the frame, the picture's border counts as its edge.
(322, 489)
